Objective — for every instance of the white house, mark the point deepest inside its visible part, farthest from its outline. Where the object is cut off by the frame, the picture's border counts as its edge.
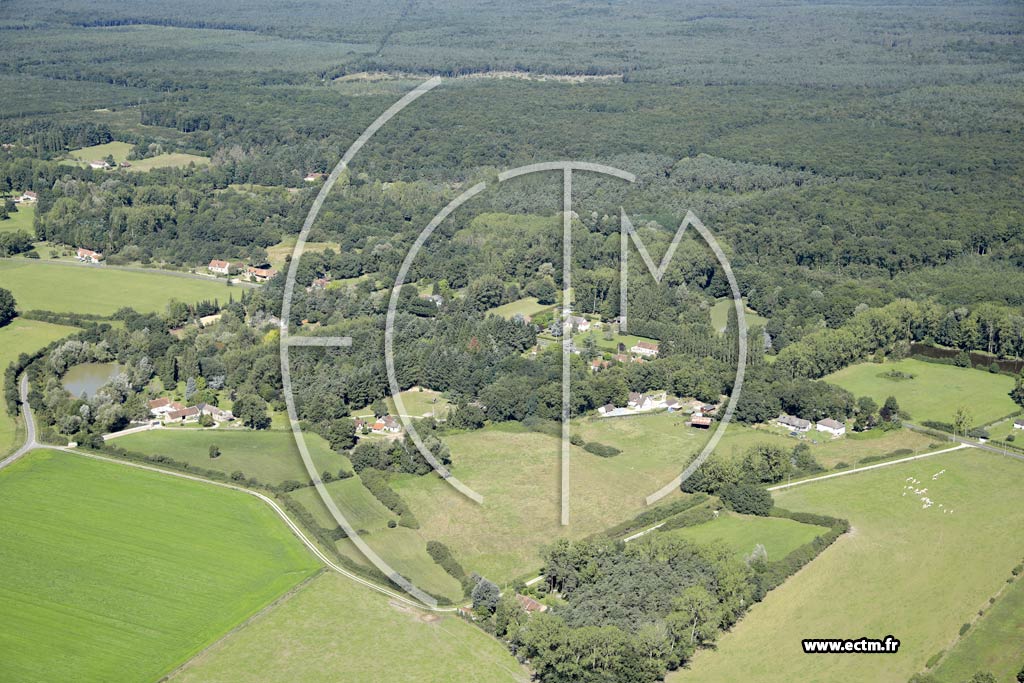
(579, 323)
(638, 401)
(221, 267)
(386, 425)
(218, 414)
(313, 177)
(161, 406)
(830, 426)
(27, 197)
(89, 256)
(643, 348)
(1018, 424)
(794, 423)
(99, 164)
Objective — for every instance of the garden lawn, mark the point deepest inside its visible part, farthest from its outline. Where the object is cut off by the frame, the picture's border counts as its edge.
(17, 337)
(334, 629)
(743, 532)
(270, 456)
(38, 285)
(935, 392)
(116, 573)
(913, 572)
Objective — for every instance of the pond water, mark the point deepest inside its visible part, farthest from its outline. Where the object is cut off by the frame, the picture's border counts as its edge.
(88, 377)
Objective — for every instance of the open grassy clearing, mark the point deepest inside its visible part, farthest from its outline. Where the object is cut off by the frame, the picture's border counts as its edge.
(421, 403)
(20, 219)
(115, 573)
(404, 549)
(334, 629)
(120, 150)
(931, 570)
(935, 392)
(270, 456)
(37, 285)
(276, 254)
(525, 307)
(17, 337)
(989, 645)
(743, 532)
(720, 313)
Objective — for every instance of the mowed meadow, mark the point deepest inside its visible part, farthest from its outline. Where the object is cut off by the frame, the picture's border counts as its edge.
(904, 569)
(335, 630)
(38, 285)
(114, 573)
(931, 391)
(17, 337)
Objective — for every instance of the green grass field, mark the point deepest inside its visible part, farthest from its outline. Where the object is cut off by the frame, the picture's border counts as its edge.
(935, 392)
(931, 570)
(42, 286)
(270, 456)
(525, 307)
(115, 573)
(988, 646)
(421, 403)
(743, 532)
(17, 337)
(120, 151)
(404, 549)
(333, 629)
(21, 219)
(720, 312)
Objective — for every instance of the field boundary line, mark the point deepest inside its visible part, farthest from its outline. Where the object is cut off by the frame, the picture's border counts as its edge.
(874, 466)
(276, 508)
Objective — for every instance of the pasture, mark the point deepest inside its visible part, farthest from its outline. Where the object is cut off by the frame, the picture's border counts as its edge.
(270, 456)
(120, 151)
(404, 549)
(743, 532)
(17, 337)
(333, 629)
(20, 219)
(935, 391)
(115, 573)
(526, 307)
(985, 646)
(421, 402)
(41, 285)
(931, 567)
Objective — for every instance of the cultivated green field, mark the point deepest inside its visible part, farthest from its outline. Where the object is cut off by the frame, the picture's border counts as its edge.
(270, 455)
(17, 337)
(932, 570)
(115, 573)
(21, 219)
(118, 150)
(989, 645)
(720, 313)
(935, 392)
(334, 629)
(743, 532)
(38, 285)
(524, 307)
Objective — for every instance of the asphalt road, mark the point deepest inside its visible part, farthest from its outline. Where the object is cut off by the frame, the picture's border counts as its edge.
(30, 426)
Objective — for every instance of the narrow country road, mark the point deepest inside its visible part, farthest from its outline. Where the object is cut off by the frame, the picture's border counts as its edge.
(30, 426)
(968, 442)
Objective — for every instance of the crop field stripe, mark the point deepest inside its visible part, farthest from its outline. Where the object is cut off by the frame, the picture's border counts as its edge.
(280, 512)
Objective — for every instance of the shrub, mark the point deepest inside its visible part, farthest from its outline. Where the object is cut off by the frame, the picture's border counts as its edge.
(747, 499)
(602, 450)
(444, 558)
(964, 628)
(691, 517)
(377, 483)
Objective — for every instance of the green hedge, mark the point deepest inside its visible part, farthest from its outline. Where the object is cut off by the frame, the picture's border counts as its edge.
(652, 516)
(377, 483)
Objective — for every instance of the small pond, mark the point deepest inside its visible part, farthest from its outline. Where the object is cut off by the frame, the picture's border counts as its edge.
(88, 377)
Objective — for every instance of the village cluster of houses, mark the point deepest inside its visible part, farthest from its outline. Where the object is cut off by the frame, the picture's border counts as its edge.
(173, 412)
(829, 426)
(102, 165)
(382, 425)
(253, 273)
